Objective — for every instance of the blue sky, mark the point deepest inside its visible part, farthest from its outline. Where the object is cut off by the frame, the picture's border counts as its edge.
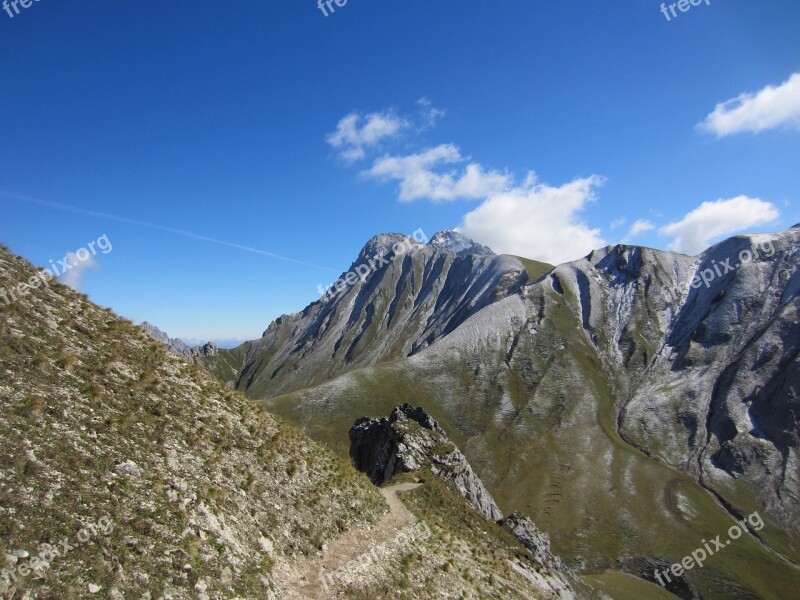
(222, 120)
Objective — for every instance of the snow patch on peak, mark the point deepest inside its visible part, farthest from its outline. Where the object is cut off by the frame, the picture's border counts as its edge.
(452, 240)
(384, 244)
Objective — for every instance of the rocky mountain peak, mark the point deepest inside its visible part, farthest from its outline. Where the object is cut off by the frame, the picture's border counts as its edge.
(387, 244)
(154, 332)
(400, 295)
(621, 262)
(278, 323)
(177, 345)
(418, 415)
(454, 241)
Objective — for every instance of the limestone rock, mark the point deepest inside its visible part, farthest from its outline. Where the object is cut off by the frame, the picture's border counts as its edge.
(408, 440)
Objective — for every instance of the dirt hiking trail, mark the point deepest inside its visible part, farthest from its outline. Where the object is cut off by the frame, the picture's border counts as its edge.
(350, 546)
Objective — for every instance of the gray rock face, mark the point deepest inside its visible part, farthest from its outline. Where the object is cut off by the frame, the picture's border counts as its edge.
(719, 397)
(209, 349)
(459, 244)
(155, 333)
(408, 440)
(129, 468)
(454, 469)
(529, 536)
(178, 346)
(700, 355)
(414, 295)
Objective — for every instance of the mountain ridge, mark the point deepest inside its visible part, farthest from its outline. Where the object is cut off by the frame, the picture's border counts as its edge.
(403, 302)
(639, 363)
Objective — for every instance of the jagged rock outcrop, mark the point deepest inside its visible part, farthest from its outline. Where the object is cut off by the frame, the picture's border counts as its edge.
(538, 542)
(207, 350)
(178, 346)
(158, 335)
(408, 440)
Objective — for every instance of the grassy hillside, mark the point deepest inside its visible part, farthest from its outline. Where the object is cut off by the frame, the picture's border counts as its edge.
(534, 268)
(197, 490)
(150, 479)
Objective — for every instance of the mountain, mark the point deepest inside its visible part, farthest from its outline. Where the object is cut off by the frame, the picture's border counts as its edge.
(128, 472)
(398, 297)
(177, 345)
(634, 403)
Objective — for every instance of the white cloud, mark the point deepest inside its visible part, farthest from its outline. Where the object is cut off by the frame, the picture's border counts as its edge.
(421, 175)
(769, 108)
(617, 223)
(537, 221)
(351, 138)
(530, 219)
(638, 227)
(714, 220)
(73, 277)
(430, 114)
